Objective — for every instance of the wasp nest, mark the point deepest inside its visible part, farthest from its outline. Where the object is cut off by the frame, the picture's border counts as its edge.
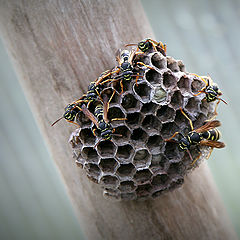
(140, 164)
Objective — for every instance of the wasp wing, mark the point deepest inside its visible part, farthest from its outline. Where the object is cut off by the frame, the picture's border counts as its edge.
(214, 144)
(105, 108)
(85, 110)
(207, 126)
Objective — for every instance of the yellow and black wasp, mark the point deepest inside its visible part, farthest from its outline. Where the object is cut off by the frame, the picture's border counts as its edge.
(148, 43)
(206, 135)
(211, 90)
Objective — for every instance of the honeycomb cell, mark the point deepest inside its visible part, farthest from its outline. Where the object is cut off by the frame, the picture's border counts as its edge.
(87, 136)
(109, 92)
(82, 120)
(159, 61)
(126, 170)
(204, 107)
(160, 179)
(199, 121)
(184, 84)
(92, 178)
(160, 95)
(80, 162)
(155, 144)
(106, 148)
(171, 150)
(166, 113)
(192, 105)
(143, 91)
(158, 163)
(139, 136)
(142, 158)
(108, 165)
(124, 133)
(143, 176)
(143, 191)
(92, 169)
(124, 152)
(197, 85)
(168, 129)
(151, 122)
(153, 77)
(176, 183)
(115, 112)
(149, 108)
(177, 100)
(181, 66)
(127, 186)
(90, 154)
(129, 102)
(126, 85)
(128, 196)
(172, 64)
(169, 80)
(176, 167)
(134, 119)
(109, 181)
(180, 119)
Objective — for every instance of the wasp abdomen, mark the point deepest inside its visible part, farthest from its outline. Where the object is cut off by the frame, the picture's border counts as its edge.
(213, 134)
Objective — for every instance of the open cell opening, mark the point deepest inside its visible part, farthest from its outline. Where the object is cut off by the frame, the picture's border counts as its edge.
(149, 107)
(177, 100)
(192, 105)
(141, 158)
(92, 169)
(115, 112)
(143, 176)
(143, 190)
(109, 181)
(87, 136)
(171, 150)
(155, 143)
(124, 152)
(151, 122)
(180, 119)
(159, 61)
(124, 132)
(199, 121)
(143, 91)
(129, 102)
(172, 65)
(197, 85)
(160, 179)
(90, 154)
(106, 148)
(153, 77)
(83, 120)
(108, 164)
(117, 86)
(166, 114)
(127, 186)
(184, 84)
(158, 162)
(126, 170)
(169, 81)
(134, 119)
(168, 129)
(139, 135)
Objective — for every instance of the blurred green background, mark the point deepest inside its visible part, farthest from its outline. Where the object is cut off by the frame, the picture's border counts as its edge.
(34, 205)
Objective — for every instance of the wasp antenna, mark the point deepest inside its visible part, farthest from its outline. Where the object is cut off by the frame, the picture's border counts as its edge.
(57, 121)
(222, 100)
(131, 44)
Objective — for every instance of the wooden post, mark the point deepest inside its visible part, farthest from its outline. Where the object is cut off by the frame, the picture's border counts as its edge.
(58, 47)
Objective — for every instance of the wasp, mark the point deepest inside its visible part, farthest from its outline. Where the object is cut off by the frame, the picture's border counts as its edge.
(101, 120)
(125, 67)
(211, 90)
(148, 43)
(206, 135)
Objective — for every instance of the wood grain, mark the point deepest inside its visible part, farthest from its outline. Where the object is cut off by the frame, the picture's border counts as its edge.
(58, 47)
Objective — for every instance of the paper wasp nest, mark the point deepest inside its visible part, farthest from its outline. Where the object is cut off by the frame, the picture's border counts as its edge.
(140, 164)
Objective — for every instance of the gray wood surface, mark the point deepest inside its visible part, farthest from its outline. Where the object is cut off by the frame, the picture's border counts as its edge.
(58, 47)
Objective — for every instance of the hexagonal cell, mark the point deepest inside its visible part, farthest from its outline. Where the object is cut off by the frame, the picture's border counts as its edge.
(166, 113)
(90, 154)
(142, 158)
(74, 139)
(108, 164)
(139, 136)
(160, 95)
(180, 119)
(151, 122)
(199, 121)
(115, 112)
(124, 152)
(129, 102)
(158, 163)
(176, 183)
(106, 148)
(109, 92)
(192, 105)
(204, 106)
(159, 61)
(160, 179)
(184, 84)
(127, 186)
(176, 168)
(181, 66)
(128, 196)
(153, 77)
(197, 85)
(124, 132)
(155, 144)
(109, 181)
(82, 120)
(143, 176)
(126, 85)
(143, 91)
(149, 108)
(169, 80)
(177, 100)
(168, 129)
(92, 169)
(172, 64)
(143, 191)
(126, 170)
(87, 136)
(134, 119)
(171, 150)
(112, 194)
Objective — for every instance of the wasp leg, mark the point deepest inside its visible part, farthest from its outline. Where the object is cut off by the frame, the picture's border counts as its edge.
(143, 64)
(200, 78)
(185, 115)
(209, 154)
(93, 131)
(215, 112)
(121, 84)
(137, 79)
(110, 99)
(169, 139)
(195, 160)
(118, 119)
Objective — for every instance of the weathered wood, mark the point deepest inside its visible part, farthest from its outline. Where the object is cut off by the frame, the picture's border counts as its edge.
(58, 47)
